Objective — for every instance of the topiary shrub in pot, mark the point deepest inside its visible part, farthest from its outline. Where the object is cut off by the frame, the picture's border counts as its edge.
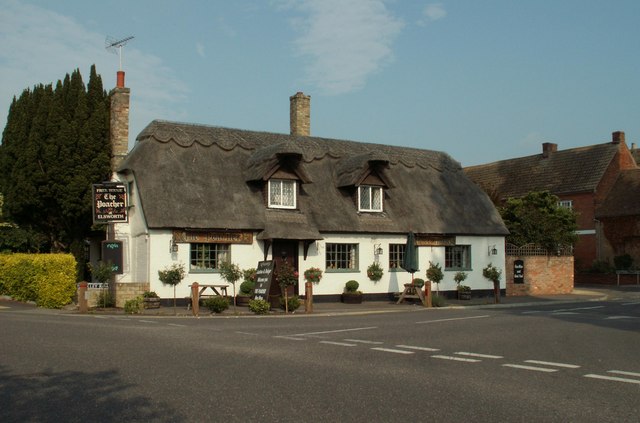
(293, 303)
(351, 295)
(217, 304)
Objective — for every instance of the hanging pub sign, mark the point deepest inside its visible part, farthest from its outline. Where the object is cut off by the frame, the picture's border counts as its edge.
(264, 276)
(112, 254)
(518, 271)
(109, 203)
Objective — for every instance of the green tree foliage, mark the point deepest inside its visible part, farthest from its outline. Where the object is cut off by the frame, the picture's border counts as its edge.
(54, 146)
(537, 218)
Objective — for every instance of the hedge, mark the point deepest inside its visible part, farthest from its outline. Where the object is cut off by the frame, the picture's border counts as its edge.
(47, 279)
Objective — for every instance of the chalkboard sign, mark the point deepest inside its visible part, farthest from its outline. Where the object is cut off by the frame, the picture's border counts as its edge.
(518, 271)
(112, 253)
(264, 275)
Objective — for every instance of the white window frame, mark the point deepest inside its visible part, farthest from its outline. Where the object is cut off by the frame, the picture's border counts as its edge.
(278, 184)
(341, 257)
(371, 189)
(458, 257)
(206, 257)
(567, 204)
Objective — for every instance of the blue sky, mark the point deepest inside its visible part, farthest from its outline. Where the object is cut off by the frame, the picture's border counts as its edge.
(480, 80)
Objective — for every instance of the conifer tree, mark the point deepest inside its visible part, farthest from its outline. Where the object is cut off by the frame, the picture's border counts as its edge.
(55, 145)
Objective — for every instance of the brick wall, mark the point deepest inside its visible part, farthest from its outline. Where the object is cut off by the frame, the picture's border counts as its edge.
(543, 275)
(119, 125)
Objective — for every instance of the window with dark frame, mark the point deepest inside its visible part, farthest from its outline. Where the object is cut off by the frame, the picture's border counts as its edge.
(206, 257)
(457, 257)
(341, 257)
(396, 256)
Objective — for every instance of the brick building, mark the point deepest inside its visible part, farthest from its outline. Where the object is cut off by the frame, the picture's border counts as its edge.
(581, 177)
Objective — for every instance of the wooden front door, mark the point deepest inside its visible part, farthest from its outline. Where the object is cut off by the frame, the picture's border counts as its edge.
(286, 250)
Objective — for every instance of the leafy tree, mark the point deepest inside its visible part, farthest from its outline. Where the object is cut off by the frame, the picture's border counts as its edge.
(54, 146)
(537, 218)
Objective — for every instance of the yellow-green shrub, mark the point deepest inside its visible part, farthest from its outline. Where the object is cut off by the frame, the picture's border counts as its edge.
(47, 279)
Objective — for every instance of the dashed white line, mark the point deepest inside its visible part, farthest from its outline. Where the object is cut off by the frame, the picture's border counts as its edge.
(448, 357)
(612, 378)
(537, 369)
(622, 372)
(363, 341)
(633, 303)
(392, 350)
(577, 308)
(291, 338)
(411, 347)
(334, 331)
(453, 319)
(176, 325)
(342, 344)
(620, 317)
(550, 363)
(470, 354)
(147, 321)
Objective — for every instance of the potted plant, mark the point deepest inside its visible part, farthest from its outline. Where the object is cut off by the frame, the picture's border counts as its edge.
(313, 275)
(464, 292)
(231, 273)
(374, 272)
(418, 282)
(435, 275)
(150, 299)
(172, 275)
(246, 287)
(351, 295)
(286, 276)
(493, 274)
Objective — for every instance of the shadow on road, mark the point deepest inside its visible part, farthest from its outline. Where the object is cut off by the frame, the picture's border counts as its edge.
(75, 397)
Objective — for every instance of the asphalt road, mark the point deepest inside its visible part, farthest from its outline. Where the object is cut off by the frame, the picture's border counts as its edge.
(577, 362)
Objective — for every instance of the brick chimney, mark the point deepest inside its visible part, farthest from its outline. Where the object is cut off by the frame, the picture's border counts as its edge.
(300, 114)
(548, 148)
(617, 137)
(119, 122)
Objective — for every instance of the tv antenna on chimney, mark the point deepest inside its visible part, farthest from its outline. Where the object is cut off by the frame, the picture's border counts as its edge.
(115, 46)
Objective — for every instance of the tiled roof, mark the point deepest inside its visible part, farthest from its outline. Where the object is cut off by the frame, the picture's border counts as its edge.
(624, 197)
(562, 172)
(197, 176)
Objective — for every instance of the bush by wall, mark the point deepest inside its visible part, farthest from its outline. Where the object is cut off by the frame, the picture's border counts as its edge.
(47, 279)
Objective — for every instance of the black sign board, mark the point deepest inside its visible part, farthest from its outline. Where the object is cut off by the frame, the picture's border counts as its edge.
(112, 253)
(518, 271)
(264, 275)
(109, 203)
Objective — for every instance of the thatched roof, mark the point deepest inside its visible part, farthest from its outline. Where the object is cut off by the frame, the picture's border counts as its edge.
(205, 177)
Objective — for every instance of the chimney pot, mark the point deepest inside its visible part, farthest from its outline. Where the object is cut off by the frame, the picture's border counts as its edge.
(120, 79)
(617, 137)
(300, 114)
(548, 148)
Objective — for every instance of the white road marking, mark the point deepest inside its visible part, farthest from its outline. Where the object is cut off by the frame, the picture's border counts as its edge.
(615, 379)
(448, 357)
(634, 303)
(470, 354)
(620, 317)
(342, 344)
(411, 347)
(621, 372)
(247, 333)
(454, 318)
(565, 312)
(334, 331)
(147, 321)
(551, 363)
(292, 338)
(362, 341)
(391, 350)
(537, 369)
(577, 308)
(176, 325)
(532, 312)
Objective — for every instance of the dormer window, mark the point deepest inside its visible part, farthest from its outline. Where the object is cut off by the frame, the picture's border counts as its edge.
(370, 198)
(282, 194)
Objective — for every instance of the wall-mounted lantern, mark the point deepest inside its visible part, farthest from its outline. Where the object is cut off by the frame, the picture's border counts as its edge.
(377, 249)
(493, 251)
(173, 246)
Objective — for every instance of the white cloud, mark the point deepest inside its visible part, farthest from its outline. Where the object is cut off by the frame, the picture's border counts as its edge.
(344, 42)
(433, 12)
(41, 46)
(200, 50)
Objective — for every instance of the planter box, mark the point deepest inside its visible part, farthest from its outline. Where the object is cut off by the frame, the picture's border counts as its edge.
(352, 298)
(151, 302)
